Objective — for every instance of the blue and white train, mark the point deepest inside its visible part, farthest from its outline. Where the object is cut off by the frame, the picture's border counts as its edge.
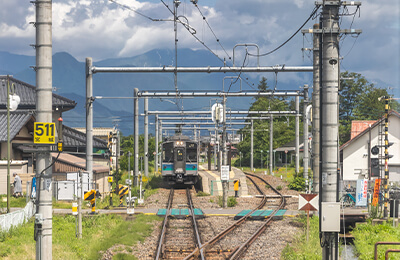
(180, 157)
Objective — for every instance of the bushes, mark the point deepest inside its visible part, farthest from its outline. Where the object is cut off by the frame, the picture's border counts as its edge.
(298, 183)
(230, 203)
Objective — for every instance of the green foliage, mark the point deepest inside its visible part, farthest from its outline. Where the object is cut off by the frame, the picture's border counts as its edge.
(279, 187)
(122, 256)
(284, 128)
(297, 183)
(367, 235)
(127, 145)
(202, 194)
(374, 212)
(300, 248)
(232, 202)
(102, 231)
(14, 202)
(359, 101)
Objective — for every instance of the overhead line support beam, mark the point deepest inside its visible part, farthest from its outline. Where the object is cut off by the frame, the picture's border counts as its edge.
(275, 69)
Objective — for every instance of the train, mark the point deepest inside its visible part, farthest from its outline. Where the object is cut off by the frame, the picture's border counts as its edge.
(180, 158)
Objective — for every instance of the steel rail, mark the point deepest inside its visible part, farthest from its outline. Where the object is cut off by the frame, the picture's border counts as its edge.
(228, 229)
(195, 228)
(164, 227)
(239, 251)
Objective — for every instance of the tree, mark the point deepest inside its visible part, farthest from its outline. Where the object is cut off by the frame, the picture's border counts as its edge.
(359, 101)
(283, 126)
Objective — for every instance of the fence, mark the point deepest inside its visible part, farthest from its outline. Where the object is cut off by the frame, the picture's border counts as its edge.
(16, 218)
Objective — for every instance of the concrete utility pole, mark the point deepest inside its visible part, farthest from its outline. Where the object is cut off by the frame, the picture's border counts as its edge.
(136, 134)
(89, 120)
(386, 179)
(305, 132)
(160, 138)
(44, 105)
(251, 145)
(297, 134)
(271, 143)
(146, 137)
(315, 112)
(225, 154)
(329, 118)
(156, 145)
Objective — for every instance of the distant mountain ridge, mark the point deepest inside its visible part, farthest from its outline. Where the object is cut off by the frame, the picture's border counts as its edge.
(69, 81)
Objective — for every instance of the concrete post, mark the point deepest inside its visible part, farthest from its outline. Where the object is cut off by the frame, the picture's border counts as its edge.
(160, 139)
(251, 146)
(146, 137)
(271, 142)
(305, 135)
(156, 145)
(297, 134)
(215, 149)
(89, 120)
(44, 94)
(136, 133)
(329, 97)
(224, 155)
(80, 199)
(315, 112)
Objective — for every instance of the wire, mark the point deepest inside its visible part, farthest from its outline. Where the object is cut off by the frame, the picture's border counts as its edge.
(135, 11)
(277, 48)
(209, 26)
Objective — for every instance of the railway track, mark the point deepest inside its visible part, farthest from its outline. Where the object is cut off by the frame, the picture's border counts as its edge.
(179, 236)
(216, 248)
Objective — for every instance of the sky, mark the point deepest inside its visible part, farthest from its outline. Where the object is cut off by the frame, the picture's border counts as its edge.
(102, 29)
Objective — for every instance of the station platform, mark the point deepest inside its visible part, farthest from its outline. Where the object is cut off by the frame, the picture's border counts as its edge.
(211, 181)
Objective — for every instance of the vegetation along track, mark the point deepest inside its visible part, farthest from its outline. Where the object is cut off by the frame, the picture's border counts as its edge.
(179, 236)
(233, 241)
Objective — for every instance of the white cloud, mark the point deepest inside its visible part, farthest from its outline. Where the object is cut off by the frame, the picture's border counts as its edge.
(101, 29)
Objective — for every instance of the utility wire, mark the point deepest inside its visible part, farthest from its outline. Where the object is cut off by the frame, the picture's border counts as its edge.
(277, 48)
(209, 26)
(135, 11)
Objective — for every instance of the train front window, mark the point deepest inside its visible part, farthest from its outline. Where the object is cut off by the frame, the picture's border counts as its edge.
(168, 152)
(179, 154)
(191, 152)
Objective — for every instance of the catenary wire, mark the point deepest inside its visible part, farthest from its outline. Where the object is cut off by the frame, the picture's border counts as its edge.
(277, 48)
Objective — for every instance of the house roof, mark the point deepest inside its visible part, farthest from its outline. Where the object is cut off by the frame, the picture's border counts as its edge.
(77, 162)
(291, 146)
(75, 138)
(18, 119)
(27, 94)
(391, 113)
(21, 118)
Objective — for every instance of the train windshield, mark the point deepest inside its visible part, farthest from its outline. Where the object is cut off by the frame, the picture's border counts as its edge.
(191, 152)
(168, 152)
(179, 155)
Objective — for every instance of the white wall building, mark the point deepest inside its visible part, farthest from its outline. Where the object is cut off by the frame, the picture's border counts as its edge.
(356, 156)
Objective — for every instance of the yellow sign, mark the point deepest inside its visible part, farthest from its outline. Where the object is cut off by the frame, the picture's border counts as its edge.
(375, 199)
(44, 133)
(144, 179)
(110, 178)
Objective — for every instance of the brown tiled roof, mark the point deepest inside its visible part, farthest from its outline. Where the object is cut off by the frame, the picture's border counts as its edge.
(70, 163)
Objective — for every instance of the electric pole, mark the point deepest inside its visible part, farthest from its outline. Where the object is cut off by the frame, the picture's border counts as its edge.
(44, 95)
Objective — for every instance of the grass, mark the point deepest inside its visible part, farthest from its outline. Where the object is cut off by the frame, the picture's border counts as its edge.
(366, 235)
(300, 248)
(100, 232)
(202, 194)
(14, 202)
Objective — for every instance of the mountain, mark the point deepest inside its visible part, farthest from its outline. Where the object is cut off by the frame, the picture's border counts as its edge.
(69, 81)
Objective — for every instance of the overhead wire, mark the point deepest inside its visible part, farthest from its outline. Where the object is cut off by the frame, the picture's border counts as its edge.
(280, 46)
(135, 11)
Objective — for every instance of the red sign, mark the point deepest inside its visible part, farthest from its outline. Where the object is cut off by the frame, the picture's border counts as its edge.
(154, 153)
(286, 151)
(375, 200)
(308, 202)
